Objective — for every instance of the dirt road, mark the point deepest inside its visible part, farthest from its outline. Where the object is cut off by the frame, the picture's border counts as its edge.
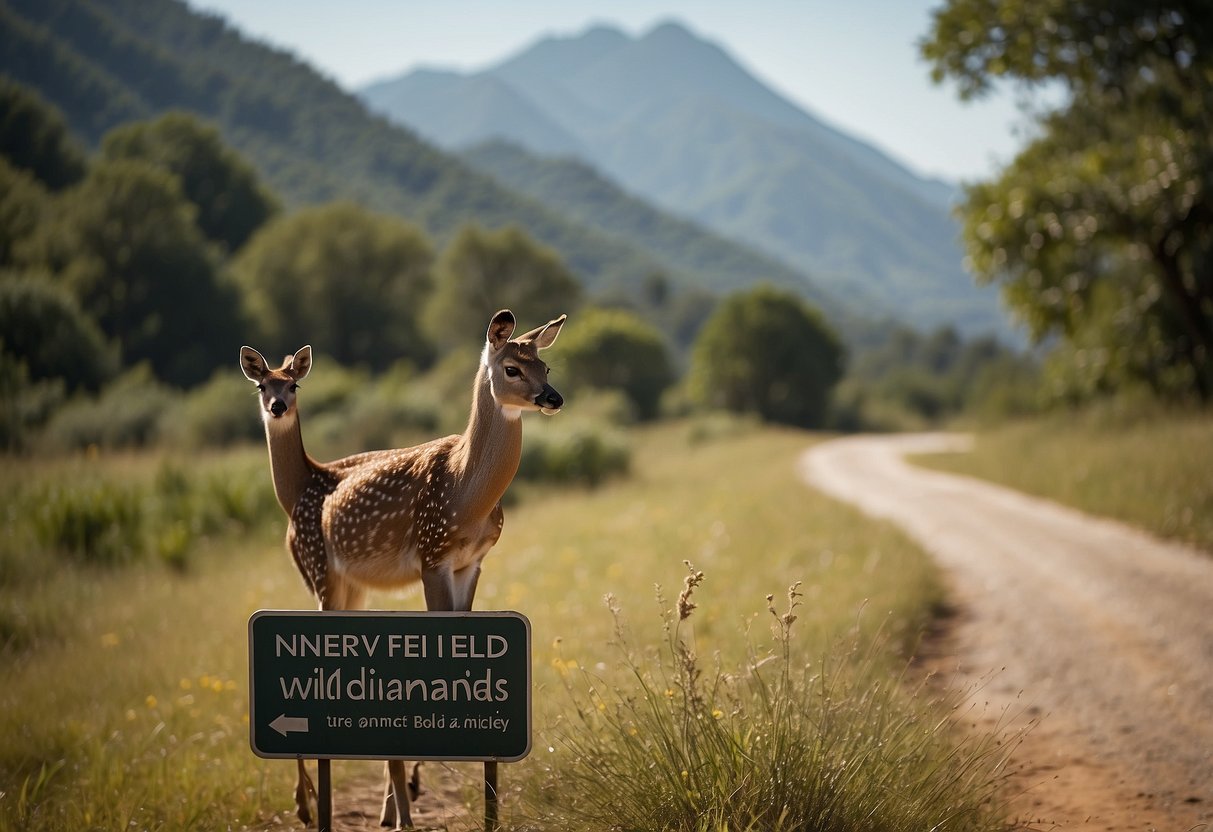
(1103, 631)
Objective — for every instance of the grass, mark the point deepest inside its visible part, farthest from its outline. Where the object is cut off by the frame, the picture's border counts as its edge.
(1150, 470)
(124, 705)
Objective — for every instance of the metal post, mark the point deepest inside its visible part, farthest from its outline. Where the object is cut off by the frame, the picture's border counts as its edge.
(324, 796)
(490, 796)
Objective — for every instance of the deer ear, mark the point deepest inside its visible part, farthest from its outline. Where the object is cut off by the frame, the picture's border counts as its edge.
(253, 364)
(544, 336)
(500, 329)
(300, 364)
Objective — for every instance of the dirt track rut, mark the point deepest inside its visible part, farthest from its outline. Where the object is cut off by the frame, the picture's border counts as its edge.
(1102, 630)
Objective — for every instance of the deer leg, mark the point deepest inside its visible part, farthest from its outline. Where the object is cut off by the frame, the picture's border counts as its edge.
(305, 795)
(387, 815)
(439, 589)
(397, 790)
(464, 587)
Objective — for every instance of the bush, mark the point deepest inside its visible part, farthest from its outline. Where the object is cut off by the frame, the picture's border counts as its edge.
(126, 414)
(765, 351)
(98, 523)
(616, 350)
(583, 455)
(103, 522)
(217, 413)
(771, 744)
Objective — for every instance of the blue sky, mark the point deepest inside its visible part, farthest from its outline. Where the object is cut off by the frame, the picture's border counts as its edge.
(853, 64)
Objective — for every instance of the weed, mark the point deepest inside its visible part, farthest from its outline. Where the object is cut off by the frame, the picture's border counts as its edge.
(767, 743)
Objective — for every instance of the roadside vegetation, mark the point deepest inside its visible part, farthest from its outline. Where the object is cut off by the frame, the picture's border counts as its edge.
(1149, 467)
(125, 701)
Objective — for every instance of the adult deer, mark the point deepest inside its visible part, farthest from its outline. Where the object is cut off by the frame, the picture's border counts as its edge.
(386, 519)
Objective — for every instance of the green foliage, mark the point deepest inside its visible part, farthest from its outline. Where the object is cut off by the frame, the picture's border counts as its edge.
(213, 414)
(231, 203)
(587, 453)
(97, 519)
(910, 380)
(42, 325)
(342, 278)
(616, 350)
(127, 413)
(24, 206)
(24, 404)
(1101, 230)
(766, 352)
(391, 410)
(769, 741)
(99, 524)
(482, 271)
(152, 285)
(1135, 460)
(35, 138)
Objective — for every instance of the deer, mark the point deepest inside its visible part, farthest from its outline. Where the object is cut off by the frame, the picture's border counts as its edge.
(388, 519)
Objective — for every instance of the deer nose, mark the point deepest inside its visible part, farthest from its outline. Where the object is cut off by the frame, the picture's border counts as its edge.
(549, 398)
(278, 407)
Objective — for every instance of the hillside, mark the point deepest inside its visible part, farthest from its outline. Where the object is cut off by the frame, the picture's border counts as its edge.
(674, 119)
(104, 62)
(581, 193)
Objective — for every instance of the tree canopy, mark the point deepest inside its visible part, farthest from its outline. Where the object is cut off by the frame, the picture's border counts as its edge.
(340, 277)
(44, 327)
(1101, 230)
(615, 350)
(767, 352)
(34, 137)
(482, 271)
(231, 202)
(125, 243)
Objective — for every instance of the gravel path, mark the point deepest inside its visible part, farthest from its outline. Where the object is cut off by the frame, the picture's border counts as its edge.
(1102, 630)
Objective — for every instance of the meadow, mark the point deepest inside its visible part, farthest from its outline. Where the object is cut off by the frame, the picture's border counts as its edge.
(764, 687)
(1146, 467)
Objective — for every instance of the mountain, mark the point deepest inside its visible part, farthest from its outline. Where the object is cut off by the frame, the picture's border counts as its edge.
(105, 62)
(492, 109)
(676, 120)
(582, 194)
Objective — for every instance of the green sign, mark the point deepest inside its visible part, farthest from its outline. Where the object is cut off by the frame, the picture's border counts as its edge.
(386, 685)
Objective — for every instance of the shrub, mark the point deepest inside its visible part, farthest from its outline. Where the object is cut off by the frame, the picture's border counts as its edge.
(771, 744)
(611, 349)
(582, 454)
(126, 414)
(765, 351)
(98, 523)
(217, 413)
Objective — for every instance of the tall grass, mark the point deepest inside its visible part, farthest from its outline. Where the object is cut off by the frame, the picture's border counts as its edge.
(1148, 468)
(764, 741)
(125, 705)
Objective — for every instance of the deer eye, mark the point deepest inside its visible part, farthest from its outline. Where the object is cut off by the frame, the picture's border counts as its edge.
(260, 388)
(512, 372)
(294, 387)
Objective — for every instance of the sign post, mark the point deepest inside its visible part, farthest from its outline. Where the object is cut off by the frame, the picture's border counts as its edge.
(390, 685)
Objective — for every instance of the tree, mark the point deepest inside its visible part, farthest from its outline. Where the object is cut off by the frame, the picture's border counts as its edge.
(34, 137)
(25, 206)
(342, 278)
(616, 350)
(482, 271)
(767, 352)
(231, 202)
(44, 328)
(124, 242)
(1101, 230)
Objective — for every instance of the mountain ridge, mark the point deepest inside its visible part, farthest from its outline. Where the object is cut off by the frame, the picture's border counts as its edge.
(106, 62)
(675, 120)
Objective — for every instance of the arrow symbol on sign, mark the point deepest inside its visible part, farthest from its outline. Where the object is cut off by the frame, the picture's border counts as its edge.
(286, 723)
